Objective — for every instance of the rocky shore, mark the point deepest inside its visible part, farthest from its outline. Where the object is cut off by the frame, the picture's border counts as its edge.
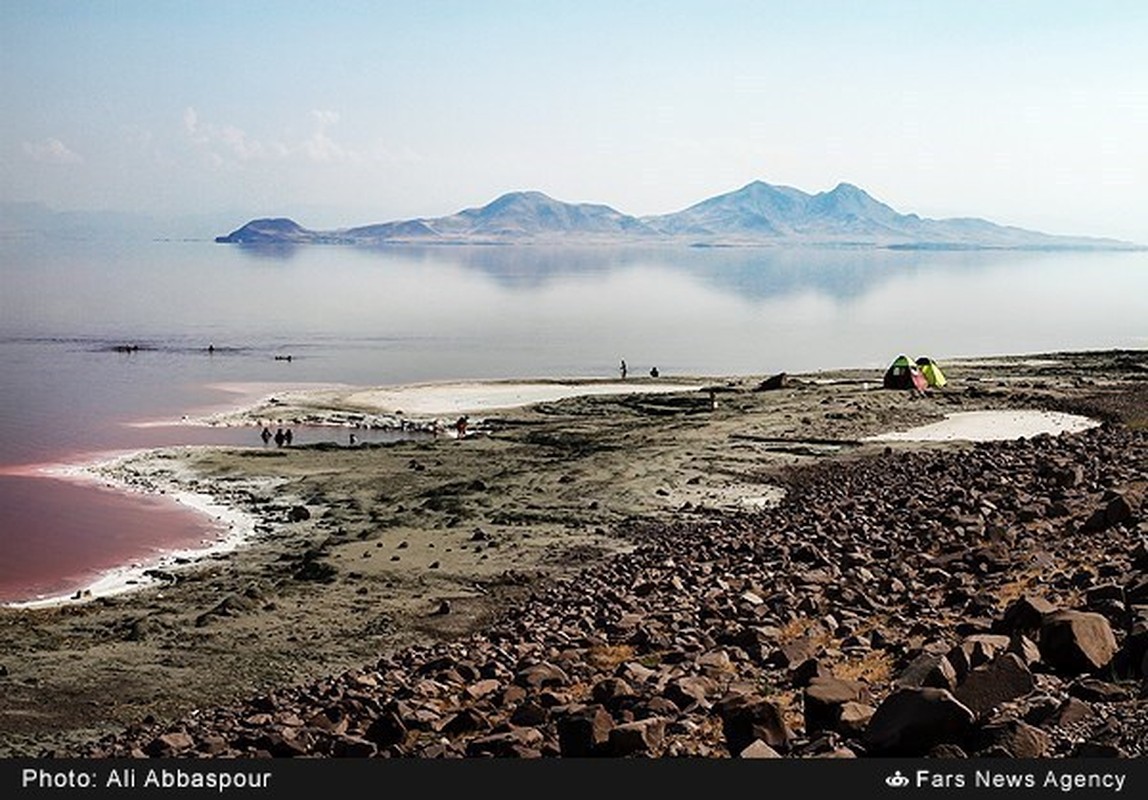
(646, 577)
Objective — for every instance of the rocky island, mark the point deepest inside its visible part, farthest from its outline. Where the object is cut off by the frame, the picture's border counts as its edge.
(757, 214)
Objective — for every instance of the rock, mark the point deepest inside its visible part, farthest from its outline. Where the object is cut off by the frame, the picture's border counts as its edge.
(854, 718)
(975, 650)
(1076, 642)
(585, 732)
(1096, 691)
(298, 514)
(386, 730)
(278, 745)
(530, 715)
(611, 692)
(910, 722)
(689, 691)
(1026, 614)
(773, 382)
(169, 744)
(518, 743)
(795, 652)
(806, 671)
(748, 717)
(353, 747)
(1114, 510)
(758, 749)
(540, 675)
(927, 669)
(1018, 739)
(643, 736)
(1005, 678)
(482, 688)
(824, 700)
(331, 720)
(1025, 649)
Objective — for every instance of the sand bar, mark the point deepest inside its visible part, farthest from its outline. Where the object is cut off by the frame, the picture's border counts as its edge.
(457, 398)
(389, 406)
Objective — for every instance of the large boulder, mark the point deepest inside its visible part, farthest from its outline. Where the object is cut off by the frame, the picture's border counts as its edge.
(748, 717)
(1076, 642)
(584, 731)
(912, 721)
(1005, 678)
(825, 698)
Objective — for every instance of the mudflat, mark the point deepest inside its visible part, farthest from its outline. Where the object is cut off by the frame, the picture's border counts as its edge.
(362, 554)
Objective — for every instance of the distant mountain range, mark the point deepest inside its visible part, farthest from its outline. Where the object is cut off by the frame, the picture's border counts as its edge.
(756, 214)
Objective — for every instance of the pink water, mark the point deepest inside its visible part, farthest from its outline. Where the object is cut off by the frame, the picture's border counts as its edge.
(61, 536)
(71, 403)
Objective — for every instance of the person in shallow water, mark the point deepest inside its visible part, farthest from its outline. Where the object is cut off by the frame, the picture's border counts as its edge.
(280, 437)
(265, 435)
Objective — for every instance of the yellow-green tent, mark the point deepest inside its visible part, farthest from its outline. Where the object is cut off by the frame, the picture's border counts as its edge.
(932, 371)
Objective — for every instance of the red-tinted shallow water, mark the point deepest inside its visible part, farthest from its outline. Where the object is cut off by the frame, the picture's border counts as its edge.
(60, 535)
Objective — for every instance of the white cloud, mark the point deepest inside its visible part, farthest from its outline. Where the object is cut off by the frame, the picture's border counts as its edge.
(227, 143)
(325, 118)
(51, 151)
(320, 146)
(223, 142)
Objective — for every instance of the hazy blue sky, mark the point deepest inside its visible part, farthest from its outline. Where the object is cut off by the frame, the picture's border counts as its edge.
(1032, 113)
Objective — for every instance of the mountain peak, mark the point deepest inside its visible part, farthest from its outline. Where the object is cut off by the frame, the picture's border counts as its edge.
(266, 230)
(530, 195)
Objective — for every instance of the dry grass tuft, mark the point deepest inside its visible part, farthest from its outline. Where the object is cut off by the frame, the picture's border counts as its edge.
(874, 667)
(606, 657)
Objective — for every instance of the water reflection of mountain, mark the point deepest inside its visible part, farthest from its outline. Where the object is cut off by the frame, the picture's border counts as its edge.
(751, 272)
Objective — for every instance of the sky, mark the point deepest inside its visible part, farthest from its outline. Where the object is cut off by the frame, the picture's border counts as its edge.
(1024, 112)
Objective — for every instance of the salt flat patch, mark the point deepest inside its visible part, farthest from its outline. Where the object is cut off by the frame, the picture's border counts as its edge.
(456, 398)
(986, 426)
(244, 397)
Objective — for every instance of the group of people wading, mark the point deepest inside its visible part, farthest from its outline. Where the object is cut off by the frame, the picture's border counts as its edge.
(281, 437)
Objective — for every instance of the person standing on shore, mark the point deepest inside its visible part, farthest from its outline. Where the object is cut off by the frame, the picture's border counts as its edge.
(622, 369)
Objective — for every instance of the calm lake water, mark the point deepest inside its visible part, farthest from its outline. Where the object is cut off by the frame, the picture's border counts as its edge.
(402, 315)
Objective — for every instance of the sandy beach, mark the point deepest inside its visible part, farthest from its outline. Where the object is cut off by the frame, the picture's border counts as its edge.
(339, 555)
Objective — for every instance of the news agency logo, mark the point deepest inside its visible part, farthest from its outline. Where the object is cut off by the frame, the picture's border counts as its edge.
(897, 780)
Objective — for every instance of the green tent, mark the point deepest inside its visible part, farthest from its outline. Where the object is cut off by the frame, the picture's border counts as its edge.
(904, 374)
(932, 371)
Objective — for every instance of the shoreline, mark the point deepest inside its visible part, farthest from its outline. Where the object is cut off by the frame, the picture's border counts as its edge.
(325, 405)
(422, 542)
(329, 404)
(234, 525)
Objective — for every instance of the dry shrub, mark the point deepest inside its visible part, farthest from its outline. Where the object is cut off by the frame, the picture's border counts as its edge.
(606, 657)
(874, 667)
